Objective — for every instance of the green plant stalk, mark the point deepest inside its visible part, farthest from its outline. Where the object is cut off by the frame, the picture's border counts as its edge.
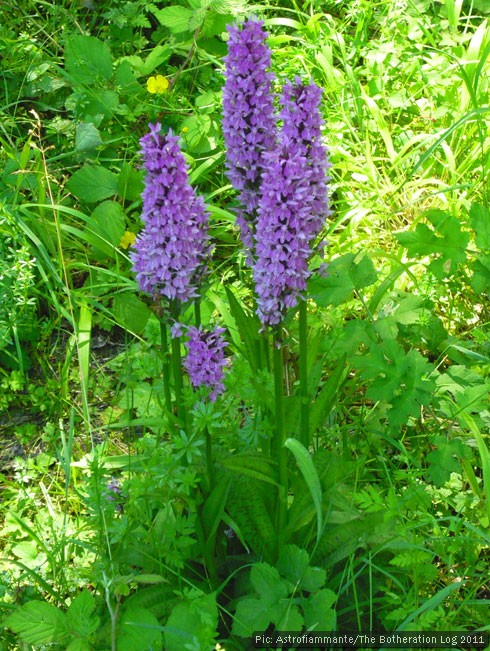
(197, 312)
(209, 458)
(279, 437)
(165, 365)
(266, 360)
(18, 349)
(177, 368)
(263, 363)
(303, 375)
(177, 373)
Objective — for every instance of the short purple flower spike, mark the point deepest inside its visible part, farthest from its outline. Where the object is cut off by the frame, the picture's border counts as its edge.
(293, 205)
(249, 124)
(171, 251)
(205, 361)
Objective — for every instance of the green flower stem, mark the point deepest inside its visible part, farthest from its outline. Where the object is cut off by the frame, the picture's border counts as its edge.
(197, 312)
(263, 363)
(177, 369)
(303, 375)
(209, 459)
(165, 365)
(279, 439)
(265, 344)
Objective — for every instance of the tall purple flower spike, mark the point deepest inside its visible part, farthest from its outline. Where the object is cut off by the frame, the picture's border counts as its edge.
(293, 205)
(249, 124)
(205, 361)
(171, 251)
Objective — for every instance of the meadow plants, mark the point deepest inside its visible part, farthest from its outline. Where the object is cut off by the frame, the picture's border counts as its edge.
(304, 441)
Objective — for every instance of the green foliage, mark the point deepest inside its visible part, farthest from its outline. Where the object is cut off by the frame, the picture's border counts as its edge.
(445, 459)
(93, 184)
(192, 623)
(446, 241)
(289, 595)
(138, 628)
(343, 276)
(401, 380)
(308, 470)
(177, 530)
(17, 296)
(39, 622)
(87, 59)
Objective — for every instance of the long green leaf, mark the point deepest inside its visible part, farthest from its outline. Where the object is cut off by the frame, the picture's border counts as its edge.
(248, 327)
(431, 603)
(325, 400)
(253, 465)
(214, 506)
(466, 118)
(83, 347)
(485, 457)
(308, 470)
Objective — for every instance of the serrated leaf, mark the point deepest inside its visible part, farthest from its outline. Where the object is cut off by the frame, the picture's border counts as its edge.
(446, 240)
(480, 223)
(130, 183)
(319, 614)
(87, 59)
(130, 312)
(399, 378)
(293, 563)
(343, 276)
(125, 79)
(87, 137)
(268, 584)
(480, 280)
(409, 309)
(38, 622)
(287, 617)
(159, 54)
(232, 7)
(26, 550)
(177, 19)
(196, 129)
(313, 579)
(106, 226)
(93, 183)
(191, 622)
(249, 617)
(101, 105)
(444, 460)
(80, 617)
(139, 629)
(79, 644)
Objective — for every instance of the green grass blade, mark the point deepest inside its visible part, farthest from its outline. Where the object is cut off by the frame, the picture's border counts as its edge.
(484, 455)
(432, 603)
(84, 330)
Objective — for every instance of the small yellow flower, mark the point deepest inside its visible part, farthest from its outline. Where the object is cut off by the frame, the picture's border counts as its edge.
(158, 84)
(185, 130)
(127, 240)
(218, 647)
